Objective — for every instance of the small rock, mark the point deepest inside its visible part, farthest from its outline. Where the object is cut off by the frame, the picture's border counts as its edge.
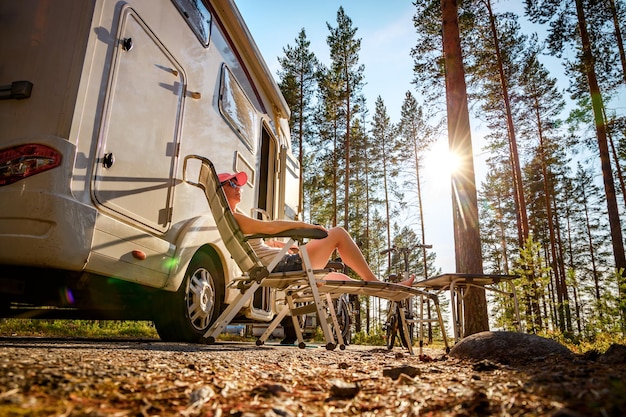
(394, 373)
(484, 366)
(268, 390)
(202, 395)
(404, 379)
(344, 390)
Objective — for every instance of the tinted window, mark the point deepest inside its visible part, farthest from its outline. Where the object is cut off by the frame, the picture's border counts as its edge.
(237, 109)
(197, 16)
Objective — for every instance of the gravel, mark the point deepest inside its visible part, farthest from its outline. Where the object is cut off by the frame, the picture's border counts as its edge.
(73, 377)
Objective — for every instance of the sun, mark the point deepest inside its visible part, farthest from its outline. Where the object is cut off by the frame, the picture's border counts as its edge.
(440, 163)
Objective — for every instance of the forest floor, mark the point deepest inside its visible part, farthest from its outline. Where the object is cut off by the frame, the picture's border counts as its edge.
(83, 377)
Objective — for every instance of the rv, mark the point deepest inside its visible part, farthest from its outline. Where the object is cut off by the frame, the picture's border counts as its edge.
(100, 103)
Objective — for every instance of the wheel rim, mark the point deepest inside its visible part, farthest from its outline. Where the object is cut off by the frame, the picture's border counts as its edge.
(200, 298)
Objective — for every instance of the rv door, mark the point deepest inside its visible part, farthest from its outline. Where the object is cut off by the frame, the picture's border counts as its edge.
(139, 133)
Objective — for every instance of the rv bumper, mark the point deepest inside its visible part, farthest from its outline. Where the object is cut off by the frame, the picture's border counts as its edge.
(44, 230)
(41, 223)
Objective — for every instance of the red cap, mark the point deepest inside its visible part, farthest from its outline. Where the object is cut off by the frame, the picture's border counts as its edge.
(241, 178)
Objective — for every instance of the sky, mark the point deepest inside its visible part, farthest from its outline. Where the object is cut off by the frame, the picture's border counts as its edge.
(387, 36)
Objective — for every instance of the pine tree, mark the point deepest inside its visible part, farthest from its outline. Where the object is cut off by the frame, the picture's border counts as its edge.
(416, 135)
(344, 55)
(495, 69)
(327, 119)
(542, 103)
(298, 79)
(385, 150)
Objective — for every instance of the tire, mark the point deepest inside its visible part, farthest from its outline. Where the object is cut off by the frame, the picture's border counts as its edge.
(401, 330)
(185, 315)
(391, 331)
(401, 334)
(342, 309)
(394, 329)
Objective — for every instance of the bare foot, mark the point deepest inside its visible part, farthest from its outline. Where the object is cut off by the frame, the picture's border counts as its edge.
(407, 282)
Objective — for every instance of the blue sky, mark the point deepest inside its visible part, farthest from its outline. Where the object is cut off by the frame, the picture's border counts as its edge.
(386, 33)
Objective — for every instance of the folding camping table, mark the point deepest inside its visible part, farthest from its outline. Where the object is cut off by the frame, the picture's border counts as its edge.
(458, 284)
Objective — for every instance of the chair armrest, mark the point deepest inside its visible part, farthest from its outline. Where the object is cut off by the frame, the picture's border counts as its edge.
(336, 266)
(296, 234)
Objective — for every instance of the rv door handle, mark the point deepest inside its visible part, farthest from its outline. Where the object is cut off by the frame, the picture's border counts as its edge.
(18, 90)
(108, 160)
(127, 44)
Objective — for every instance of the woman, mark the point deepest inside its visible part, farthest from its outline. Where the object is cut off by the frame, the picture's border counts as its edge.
(319, 250)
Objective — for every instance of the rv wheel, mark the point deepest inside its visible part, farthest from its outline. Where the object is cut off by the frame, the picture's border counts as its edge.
(184, 316)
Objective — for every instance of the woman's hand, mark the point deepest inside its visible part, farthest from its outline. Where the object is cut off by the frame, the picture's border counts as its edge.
(278, 244)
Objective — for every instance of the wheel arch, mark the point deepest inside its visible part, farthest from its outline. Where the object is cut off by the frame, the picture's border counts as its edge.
(199, 236)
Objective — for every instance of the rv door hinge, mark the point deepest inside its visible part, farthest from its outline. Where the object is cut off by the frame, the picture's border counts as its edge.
(165, 216)
(18, 90)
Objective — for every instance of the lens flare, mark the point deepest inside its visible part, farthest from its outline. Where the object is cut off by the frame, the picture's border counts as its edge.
(170, 263)
(66, 296)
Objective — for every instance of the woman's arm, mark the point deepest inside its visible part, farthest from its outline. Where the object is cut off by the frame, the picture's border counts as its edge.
(250, 226)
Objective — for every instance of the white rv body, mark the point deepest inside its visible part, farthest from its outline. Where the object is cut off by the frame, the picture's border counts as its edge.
(100, 102)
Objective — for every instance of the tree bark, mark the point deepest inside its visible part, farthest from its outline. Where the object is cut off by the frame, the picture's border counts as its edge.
(607, 173)
(464, 199)
(520, 200)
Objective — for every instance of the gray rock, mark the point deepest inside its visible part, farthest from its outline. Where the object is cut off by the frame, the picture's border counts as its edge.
(395, 372)
(343, 390)
(508, 347)
(615, 354)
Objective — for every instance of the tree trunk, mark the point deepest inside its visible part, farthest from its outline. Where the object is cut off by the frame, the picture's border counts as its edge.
(301, 147)
(618, 36)
(421, 210)
(346, 202)
(518, 189)
(592, 253)
(464, 200)
(607, 174)
(547, 190)
(335, 170)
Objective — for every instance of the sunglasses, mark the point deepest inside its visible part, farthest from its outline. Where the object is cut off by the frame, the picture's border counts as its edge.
(232, 184)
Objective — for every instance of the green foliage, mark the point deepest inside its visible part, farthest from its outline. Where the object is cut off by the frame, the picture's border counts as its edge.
(376, 337)
(599, 343)
(77, 328)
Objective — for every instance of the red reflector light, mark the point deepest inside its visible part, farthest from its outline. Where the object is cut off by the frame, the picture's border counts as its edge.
(25, 160)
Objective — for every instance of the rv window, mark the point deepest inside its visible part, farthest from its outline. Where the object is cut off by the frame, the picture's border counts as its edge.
(198, 18)
(237, 109)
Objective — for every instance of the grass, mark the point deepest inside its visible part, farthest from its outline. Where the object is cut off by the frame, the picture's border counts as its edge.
(145, 329)
(77, 328)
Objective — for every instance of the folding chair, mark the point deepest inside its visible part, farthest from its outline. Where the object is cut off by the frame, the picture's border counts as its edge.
(303, 289)
(254, 273)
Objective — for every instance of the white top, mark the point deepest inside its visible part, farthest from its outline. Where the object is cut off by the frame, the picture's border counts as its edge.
(263, 251)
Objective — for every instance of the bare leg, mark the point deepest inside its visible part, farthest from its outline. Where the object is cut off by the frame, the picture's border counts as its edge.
(319, 251)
